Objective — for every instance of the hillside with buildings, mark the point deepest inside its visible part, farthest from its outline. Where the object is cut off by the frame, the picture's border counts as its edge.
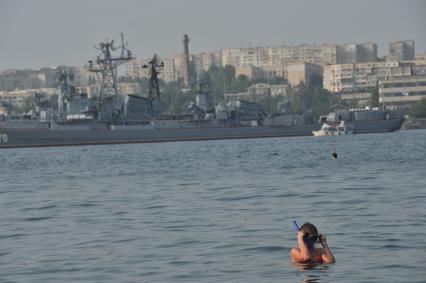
(284, 78)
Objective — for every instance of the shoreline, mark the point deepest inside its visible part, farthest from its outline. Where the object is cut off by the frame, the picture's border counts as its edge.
(414, 123)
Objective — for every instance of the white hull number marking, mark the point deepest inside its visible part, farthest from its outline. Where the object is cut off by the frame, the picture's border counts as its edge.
(3, 138)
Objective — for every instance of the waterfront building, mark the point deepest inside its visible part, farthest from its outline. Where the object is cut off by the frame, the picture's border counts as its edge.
(360, 99)
(352, 77)
(403, 91)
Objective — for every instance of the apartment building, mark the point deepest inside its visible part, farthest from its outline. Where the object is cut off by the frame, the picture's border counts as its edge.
(204, 61)
(298, 73)
(356, 53)
(231, 56)
(267, 62)
(401, 50)
(317, 54)
(397, 92)
(350, 77)
(134, 69)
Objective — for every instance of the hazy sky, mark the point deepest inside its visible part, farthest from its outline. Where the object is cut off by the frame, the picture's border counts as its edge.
(41, 33)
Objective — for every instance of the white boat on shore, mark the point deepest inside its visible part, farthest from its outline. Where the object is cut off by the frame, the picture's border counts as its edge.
(333, 130)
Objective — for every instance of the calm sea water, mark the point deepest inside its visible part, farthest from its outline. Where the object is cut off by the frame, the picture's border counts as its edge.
(214, 211)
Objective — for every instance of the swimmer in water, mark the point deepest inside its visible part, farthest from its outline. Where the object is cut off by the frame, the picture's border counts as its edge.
(334, 155)
(306, 252)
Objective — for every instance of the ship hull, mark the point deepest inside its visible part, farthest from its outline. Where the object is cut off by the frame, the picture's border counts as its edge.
(11, 138)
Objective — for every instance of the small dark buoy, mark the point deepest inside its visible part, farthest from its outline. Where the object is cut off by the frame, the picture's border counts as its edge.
(334, 155)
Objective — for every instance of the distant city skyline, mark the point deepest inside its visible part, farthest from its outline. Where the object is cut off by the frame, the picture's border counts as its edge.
(45, 33)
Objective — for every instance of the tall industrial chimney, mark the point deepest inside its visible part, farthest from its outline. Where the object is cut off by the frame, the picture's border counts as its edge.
(185, 63)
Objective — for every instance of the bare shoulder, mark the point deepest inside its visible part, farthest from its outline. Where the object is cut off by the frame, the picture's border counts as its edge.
(295, 251)
(295, 255)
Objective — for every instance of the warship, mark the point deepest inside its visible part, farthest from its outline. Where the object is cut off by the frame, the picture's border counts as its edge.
(113, 117)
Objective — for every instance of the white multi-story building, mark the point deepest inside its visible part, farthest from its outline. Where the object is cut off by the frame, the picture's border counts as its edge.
(272, 61)
(402, 91)
(317, 54)
(169, 73)
(231, 56)
(134, 69)
(257, 57)
(348, 77)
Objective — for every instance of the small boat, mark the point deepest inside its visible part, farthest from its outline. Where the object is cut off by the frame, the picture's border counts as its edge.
(333, 130)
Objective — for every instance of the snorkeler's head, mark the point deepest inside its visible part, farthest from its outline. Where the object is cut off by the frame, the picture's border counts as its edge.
(311, 232)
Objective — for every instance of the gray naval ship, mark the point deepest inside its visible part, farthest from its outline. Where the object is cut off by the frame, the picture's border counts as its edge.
(112, 117)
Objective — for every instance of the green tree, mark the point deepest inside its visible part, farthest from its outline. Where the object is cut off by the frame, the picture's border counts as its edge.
(270, 103)
(418, 109)
(374, 99)
(28, 104)
(312, 97)
(322, 102)
(176, 102)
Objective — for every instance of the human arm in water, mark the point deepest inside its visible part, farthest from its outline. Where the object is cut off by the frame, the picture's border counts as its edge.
(300, 254)
(327, 255)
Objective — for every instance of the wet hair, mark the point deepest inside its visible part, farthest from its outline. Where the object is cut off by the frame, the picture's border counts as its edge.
(311, 234)
(309, 228)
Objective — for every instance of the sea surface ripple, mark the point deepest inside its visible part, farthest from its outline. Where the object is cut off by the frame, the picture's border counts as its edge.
(214, 211)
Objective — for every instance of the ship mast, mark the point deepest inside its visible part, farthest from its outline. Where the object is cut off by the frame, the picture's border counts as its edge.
(105, 67)
(66, 90)
(155, 68)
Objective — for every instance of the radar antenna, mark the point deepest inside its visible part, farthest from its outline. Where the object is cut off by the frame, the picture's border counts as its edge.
(63, 77)
(155, 67)
(105, 67)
